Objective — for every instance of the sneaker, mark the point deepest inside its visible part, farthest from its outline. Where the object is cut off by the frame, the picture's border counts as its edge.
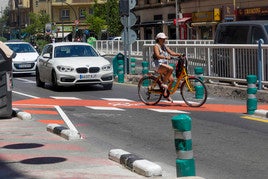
(170, 99)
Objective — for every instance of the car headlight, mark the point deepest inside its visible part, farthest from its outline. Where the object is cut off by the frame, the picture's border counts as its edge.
(107, 67)
(65, 68)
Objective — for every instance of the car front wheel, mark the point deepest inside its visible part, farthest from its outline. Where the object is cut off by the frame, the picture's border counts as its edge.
(39, 83)
(54, 80)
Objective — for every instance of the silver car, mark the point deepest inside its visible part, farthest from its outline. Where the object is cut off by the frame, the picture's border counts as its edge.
(73, 63)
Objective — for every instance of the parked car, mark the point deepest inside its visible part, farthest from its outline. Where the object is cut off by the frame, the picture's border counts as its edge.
(26, 56)
(73, 63)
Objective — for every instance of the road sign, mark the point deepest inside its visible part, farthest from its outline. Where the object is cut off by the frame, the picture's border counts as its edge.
(132, 4)
(132, 20)
(132, 36)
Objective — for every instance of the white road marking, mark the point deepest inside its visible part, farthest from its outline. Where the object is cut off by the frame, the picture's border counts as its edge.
(24, 94)
(62, 97)
(25, 80)
(117, 99)
(105, 108)
(66, 119)
(168, 111)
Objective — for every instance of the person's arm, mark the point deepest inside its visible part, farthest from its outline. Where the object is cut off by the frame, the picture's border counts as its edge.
(172, 53)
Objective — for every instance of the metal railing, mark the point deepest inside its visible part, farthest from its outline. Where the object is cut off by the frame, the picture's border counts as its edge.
(113, 47)
(221, 63)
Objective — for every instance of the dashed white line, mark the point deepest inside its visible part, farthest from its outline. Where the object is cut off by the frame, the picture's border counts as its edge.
(168, 111)
(105, 108)
(24, 94)
(117, 99)
(67, 97)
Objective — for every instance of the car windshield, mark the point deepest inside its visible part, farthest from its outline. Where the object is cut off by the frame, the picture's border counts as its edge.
(21, 48)
(74, 51)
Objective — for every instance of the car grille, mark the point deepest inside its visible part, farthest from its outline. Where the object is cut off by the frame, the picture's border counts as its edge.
(94, 69)
(24, 65)
(86, 70)
(81, 70)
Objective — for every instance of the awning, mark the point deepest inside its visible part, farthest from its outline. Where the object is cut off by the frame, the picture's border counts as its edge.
(65, 34)
(151, 23)
(195, 24)
(181, 20)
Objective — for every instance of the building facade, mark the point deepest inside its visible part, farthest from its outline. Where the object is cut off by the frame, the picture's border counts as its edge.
(67, 16)
(179, 19)
(196, 19)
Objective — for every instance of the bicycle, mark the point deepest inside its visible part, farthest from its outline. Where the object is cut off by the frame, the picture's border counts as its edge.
(192, 89)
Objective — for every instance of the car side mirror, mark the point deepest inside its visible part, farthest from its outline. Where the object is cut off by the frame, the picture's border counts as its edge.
(46, 55)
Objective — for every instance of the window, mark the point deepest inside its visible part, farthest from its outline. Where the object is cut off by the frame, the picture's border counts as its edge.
(233, 35)
(65, 14)
(82, 13)
(257, 34)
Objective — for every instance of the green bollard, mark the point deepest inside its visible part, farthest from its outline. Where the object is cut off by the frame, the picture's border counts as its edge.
(145, 67)
(133, 66)
(198, 88)
(120, 71)
(185, 164)
(251, 91)
(145, 70)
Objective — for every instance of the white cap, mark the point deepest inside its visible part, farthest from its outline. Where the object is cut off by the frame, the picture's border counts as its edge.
(161, 35)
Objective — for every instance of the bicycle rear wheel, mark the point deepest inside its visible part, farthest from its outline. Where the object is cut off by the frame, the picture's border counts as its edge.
(149, 90)
(193, 92)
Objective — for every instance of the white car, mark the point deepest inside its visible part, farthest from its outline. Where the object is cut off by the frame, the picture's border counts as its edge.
(26, 56)
(73, 63)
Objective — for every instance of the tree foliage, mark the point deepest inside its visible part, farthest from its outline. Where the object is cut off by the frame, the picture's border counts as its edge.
(108, 20)
(38, 22)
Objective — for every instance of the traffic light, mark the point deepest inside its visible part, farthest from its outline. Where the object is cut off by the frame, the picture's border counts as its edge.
(124, 8)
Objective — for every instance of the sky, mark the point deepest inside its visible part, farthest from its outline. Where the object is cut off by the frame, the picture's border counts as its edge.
(3, 4)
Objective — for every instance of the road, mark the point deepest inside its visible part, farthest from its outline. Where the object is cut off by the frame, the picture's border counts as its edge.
(225, 143)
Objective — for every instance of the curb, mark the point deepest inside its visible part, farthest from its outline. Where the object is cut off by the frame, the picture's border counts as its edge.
(261, 113)
(20, 114)
(135, 163)
(63, 132)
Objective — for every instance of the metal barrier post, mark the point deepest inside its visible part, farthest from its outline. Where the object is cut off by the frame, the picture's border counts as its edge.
(260, 64)
(120, 69)
(185, 164)
(198, 88)
(251, 91)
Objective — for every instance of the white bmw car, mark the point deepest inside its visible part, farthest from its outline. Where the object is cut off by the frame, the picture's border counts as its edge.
(73, 63)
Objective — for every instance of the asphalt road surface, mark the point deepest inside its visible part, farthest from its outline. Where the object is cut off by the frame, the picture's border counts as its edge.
(225, 143)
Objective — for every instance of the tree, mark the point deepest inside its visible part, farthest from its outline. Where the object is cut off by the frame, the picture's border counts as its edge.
(113, 18)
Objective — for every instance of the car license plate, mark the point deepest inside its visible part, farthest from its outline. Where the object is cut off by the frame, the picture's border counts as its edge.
(25, 65)
(89, 76)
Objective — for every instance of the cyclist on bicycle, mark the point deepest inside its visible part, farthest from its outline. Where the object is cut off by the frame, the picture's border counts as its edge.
(161, 56)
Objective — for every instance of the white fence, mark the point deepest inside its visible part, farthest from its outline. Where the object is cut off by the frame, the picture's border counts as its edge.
(221, 63)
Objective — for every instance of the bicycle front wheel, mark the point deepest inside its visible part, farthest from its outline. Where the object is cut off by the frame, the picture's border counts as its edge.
(149, 90)
(193, 92)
